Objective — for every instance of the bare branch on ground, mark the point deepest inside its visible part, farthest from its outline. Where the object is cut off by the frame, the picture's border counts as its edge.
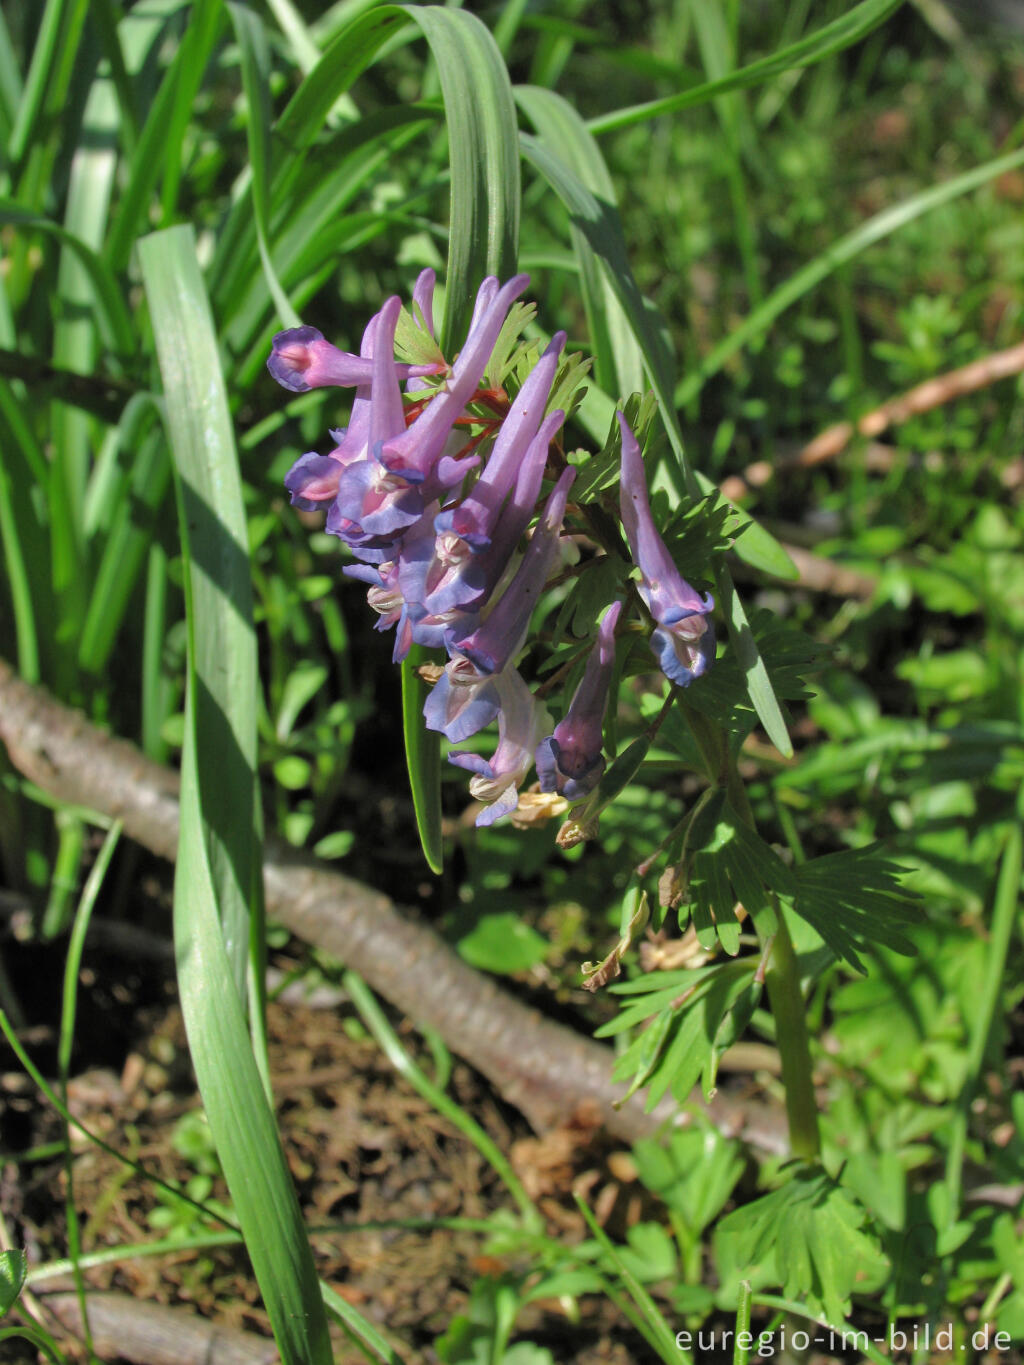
(549, 1072)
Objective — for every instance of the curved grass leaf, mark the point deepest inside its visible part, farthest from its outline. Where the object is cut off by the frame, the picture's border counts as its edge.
(423, 758)
(482, 135)
(347, 55)
(215, 540)
(824, 42)
(219, 853)
(652, 1323)
(24, 533)
(160, 142)
(483, 148)
(111, 310)
(126, 534)
(618, 364)
(44, 95)
(255, 56)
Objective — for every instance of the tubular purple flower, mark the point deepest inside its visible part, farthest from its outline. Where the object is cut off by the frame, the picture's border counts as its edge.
(414, 452)
(450, 574)
(491, 647)
(313, 479)
(372, 504)
(462, 701)
(300, 360)
(423, 298)
(570, 761)
(684, 641)
(519, 508)
(473, 519)
(520, 721)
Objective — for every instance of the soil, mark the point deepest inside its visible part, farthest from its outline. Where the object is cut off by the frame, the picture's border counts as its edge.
(363, 1148)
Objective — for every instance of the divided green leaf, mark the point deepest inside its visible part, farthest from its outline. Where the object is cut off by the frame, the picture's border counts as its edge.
(818, 1238)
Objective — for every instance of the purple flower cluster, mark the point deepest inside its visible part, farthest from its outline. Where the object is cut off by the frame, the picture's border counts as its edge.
(437, 537)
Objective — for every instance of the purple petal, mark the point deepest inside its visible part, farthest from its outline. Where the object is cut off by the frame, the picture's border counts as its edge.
(300, 360)
(387, 416)
(423, 298)
(502, 634)
(313, 480)
(474, 520)
(459, 711)
(471, 762)
(682, 656)
(414, 452)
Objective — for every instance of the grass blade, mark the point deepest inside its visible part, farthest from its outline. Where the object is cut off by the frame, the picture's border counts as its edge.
(482, 135)
(255, 54)
(483, 148)
(160, 141)
(824, 42)
(48, 76)
(111, 312)
(216, 542)
(658, 1333)
(218, 856)
(1004, 916)
(618, 364)
(423, 759)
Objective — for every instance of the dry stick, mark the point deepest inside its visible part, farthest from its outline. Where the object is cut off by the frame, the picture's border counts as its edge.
(828, 575)
(153, 1334)
(546, 1070)
(933, 393)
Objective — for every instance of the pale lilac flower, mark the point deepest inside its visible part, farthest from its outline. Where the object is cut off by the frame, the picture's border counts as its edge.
(684, 641)
(521, 721)
(462, 701)
(570, 761)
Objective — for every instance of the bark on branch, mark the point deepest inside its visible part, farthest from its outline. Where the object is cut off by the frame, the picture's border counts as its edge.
(543, 1068)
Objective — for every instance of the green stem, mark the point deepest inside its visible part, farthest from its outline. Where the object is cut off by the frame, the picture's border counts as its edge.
(783, 982)
(1000, 933)
(741, 1354)
(789, 1012)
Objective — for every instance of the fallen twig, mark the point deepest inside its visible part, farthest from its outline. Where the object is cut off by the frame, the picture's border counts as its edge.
(827, 575)
(124, 1328)
(933, 393)
(546, 1070)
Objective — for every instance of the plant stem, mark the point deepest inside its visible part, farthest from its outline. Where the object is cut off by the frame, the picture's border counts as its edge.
(1001, 931)
(783, 982)
(782, 979)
